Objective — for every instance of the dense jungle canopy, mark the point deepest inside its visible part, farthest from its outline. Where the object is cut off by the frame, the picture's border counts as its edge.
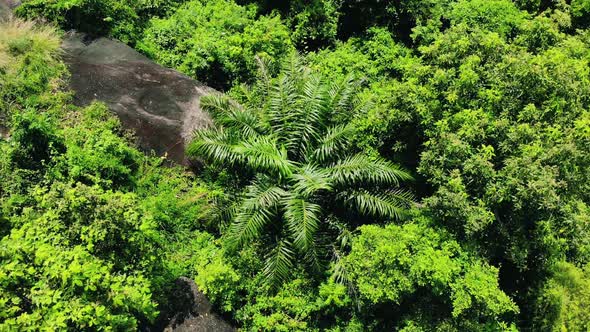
(408, 165)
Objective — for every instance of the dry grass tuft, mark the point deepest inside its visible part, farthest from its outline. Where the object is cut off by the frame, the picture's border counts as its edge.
(19, 36)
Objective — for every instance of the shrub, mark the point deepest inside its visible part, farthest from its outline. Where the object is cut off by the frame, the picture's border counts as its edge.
(216, 41)
(30, 72)
(400, 267)
(564, 302)
(78, 260)
(121, 19)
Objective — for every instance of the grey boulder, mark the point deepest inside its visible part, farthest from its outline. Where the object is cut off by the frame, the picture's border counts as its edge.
(193, 311)
(159, 104)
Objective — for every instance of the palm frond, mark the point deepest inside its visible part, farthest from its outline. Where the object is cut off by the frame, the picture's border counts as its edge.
(336, 140)
(310, 180)
(360, 169)
(310, 117)
(214, 145)
(342, 94)
(257, 209)
(362, 106)
(264, 76)
(312, 258)
(232, 116)
(339, 272)
(293, 67)
(302, 220)
(282, 101)
(247, 226)
(262, 154)
(278, 263)
(393, 204)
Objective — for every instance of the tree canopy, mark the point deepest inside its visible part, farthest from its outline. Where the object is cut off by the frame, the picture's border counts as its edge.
(412, 165)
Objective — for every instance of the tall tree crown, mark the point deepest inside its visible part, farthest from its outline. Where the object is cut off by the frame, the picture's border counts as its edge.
(307, 183)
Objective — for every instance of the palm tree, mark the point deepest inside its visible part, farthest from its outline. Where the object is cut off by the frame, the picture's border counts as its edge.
(304, 180)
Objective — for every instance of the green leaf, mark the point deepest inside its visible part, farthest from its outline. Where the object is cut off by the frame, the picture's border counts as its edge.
(303, 221)
(278, 263)
(392, 204)
(256, 211)
(362, 170)
(262, 154)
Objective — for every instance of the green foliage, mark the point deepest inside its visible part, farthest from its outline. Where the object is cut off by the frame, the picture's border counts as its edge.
(121, 19)
(294, 308)
(373, 57)
(390, 106)
(82, 216)
(34, 140)
(500, 16)
(85, 256)
(300, 163)
(507, 149)
(564, 303)
(97, 154)
(399, 16)
(29, 71)
(216, 41)
(400, 266)
(581, 12)
(314, 24)
(214, 275)
(488, 101)
(78, 258)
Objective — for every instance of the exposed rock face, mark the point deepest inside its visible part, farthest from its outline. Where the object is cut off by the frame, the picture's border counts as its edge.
(6, 7)
(159, 104)
(193, 311)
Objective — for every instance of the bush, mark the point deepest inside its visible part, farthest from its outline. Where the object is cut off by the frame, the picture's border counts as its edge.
(82, 212)
(580, 10)
(564, 303)
(314, 25)
(96, 154)
(30, 73)
(216, 42)
(121, 19)
(500, 16)
(77, 260)
(401, 268)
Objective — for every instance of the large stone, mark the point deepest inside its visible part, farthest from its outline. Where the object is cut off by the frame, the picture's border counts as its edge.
(192, 311)
(161, 105)
(6, 7)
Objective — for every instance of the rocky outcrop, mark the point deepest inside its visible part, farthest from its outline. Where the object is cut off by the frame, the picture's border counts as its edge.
(6, 7)
(161, 105)
(192, 311)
